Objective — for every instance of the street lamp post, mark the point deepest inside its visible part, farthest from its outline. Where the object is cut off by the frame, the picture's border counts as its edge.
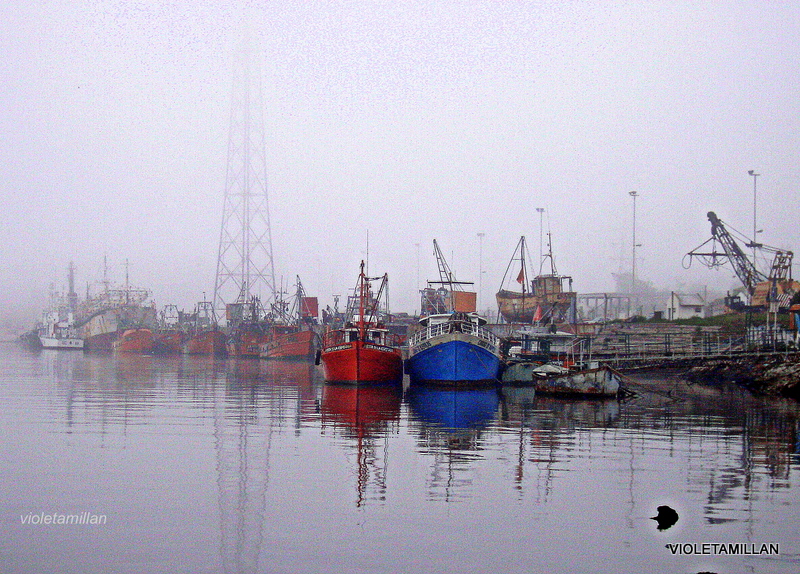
(634, 195)
(417, 246)
(755, 232)
(480, 269)
(540, 211)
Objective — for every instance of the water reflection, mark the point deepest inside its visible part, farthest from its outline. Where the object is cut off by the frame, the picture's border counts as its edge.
(450, 424)
(364, 414)
(242, 442)
(247, 429)
(732, 445)
(546, 431)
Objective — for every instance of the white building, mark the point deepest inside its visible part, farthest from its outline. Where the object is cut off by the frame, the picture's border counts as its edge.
(685, 306)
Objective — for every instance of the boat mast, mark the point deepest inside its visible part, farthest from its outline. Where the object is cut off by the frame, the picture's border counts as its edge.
(127, 284)
(523, 270)
(522, 276)
(361, 280)
(549, 254)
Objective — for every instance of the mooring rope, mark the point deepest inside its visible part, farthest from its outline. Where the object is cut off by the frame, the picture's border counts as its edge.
(627, 382)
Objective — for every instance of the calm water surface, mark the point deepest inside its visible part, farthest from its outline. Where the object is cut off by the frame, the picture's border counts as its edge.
(198, 465)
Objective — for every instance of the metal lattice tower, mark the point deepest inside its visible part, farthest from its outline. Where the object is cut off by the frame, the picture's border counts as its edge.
(244, 263)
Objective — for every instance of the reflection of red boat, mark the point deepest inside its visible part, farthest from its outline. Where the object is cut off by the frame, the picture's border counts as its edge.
(134, 341)
(363, 413)
(361, 407)
(363, 350)
(206, 343)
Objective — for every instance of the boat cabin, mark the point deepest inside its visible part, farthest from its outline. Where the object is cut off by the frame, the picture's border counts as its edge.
(545, 347)
(441, 318)
(374, 333)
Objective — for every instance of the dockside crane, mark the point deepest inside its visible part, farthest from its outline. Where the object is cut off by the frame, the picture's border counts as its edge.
(445, 274)
(450, 295)
(761, 288)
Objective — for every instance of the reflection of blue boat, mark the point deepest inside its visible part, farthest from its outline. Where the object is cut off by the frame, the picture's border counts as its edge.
(454, 408)
(453, 348)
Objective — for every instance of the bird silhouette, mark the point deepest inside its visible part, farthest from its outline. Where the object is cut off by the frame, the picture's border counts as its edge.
(666, 517)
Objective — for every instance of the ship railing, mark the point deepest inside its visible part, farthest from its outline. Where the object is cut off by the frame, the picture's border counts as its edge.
(450, 327)
(339, 337)
(332, 338)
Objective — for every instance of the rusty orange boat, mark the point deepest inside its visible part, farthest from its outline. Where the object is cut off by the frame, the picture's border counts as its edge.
(543, 299)
(138, 341)
(169, 342)
(208, 342)
(294, 344)
(292, 335)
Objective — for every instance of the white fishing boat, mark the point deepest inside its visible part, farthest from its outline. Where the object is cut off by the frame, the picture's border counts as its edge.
(57, 331)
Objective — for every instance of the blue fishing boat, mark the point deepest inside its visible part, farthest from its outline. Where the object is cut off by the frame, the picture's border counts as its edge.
(452, 344)
(453, 347)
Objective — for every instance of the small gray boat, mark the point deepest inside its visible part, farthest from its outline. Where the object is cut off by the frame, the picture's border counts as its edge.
(549, 379)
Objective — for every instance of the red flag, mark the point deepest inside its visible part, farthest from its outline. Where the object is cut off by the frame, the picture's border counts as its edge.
(521, 276)
(537, 316)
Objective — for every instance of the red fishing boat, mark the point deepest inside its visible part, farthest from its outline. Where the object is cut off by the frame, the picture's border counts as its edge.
(293, 344)
(172, 331)
(169, 341)
(363, 350)
(208, 342)
(292, 334)
(205, 337)
(248, 327)
(134, 341)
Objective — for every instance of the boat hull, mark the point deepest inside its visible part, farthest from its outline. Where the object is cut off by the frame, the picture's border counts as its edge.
(210, 343)
(453, 358)
(136, 341)
(360, 362)
(61, 343)
(168, 342)
(518, 307)
(102, 329)
(600, 382)
(246, 341)
(298, 345)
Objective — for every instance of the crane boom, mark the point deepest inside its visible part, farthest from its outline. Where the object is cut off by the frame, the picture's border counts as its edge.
(745, 269)
(763, 289)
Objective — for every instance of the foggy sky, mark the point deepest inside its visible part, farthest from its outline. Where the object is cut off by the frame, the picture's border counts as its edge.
(406, 121)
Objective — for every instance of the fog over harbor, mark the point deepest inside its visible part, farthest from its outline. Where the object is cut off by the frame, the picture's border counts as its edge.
(401, 122)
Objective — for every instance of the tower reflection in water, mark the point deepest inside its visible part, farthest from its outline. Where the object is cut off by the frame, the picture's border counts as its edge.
(731, 458)
(250, 410)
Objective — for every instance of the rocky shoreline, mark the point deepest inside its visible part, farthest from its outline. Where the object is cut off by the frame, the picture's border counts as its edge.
(773, 375)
